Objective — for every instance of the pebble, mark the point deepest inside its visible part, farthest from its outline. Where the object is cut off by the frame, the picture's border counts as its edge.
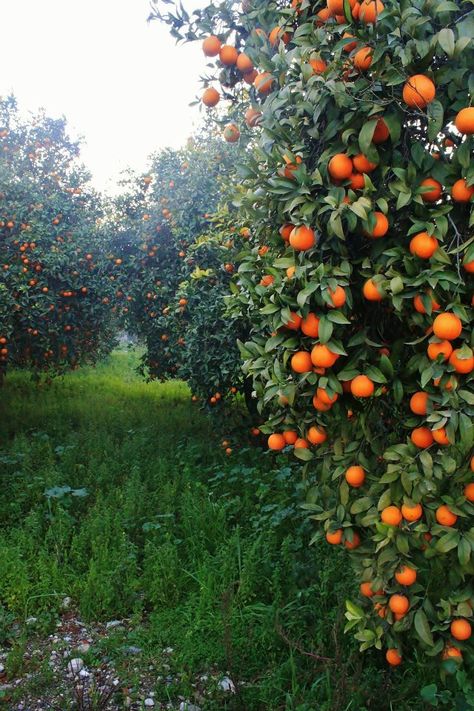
(185, 706)
(75, 665)
(113, 623)
(227, 684)
(82, 648)
(2, 668)
(66, 603)
(31, 620)
(149, 702)
(132, 650)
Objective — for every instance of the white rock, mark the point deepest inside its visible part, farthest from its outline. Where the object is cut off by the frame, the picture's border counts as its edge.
(31, 620)
(82, 648)
(66, 603)
(149, 702)
(185, 706)
(113, 623)
(227, 684)
(84, 673)
(75, 665)
(2, 668)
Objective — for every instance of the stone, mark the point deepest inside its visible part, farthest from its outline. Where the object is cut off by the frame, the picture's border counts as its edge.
(227, 684)
(75, 665)
(113, 623)
(149, 702)
(186, 706)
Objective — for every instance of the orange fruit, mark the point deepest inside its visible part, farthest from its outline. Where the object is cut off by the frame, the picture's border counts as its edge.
(472, 464)
(418, 91)
(267, 280)
(322, 395)
(252, 117)
(277, 35)
(464, 120)
(363, 58)
(423, 245)
(319, 66)
(263, 82)
(440, 436)
(335, 537)
(355, 543)
(381, 226)
(231, 133)
(419, 403)
(290, 436)
(310, 325)
(370, 10)
(434, 192)
(357, 181)
(301, 362)
(399, 604)
(469, 267)
(460, 629)
(447, 326)
(435, 349)
(420, 307)
(460, 363)
(249, 77)
(412, 513)
(372, 292)
(295, 321)
(340, 166)
(211, 46)
(276, 442)
(363, 164)
(362, 386)
(320, 405)
(444, 516)
(349, 46)
(286, 230)
(210, 97)
(228, 55)
(366, 589)
(469, 492)
(316, 435)
(452, 653)
(422, 437)
(381, 132)
(322, 357)
(323, 16)
(301, 444)
(393, 657)
(355, 476)
(391, 516)
(405, 575)
(244, 63)
(461, 191)
(338, 297)
(302, 238)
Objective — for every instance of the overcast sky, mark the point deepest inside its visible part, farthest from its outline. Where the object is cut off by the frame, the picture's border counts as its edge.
(121, 82)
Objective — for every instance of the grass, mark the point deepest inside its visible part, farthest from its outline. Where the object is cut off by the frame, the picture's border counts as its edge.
(120, 497)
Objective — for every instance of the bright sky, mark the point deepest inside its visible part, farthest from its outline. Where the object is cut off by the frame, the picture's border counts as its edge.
(122, 83)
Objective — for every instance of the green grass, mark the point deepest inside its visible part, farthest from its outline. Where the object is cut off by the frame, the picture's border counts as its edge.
(120, 496)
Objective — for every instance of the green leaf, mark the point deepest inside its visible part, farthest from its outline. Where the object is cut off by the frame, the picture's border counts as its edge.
(325, 329)
(305, 293)
(301, 453)
(435, 113)
(446, 40)
(365, 136)
(422, 628)
(464, 551)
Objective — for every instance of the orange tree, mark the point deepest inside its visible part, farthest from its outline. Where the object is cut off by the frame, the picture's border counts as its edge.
(358, 280)
(51, 280)
(170, 277)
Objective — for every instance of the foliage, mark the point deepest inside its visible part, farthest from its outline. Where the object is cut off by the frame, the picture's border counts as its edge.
(364, 163)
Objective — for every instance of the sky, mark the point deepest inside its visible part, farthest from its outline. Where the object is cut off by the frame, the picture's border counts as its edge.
(122, 83)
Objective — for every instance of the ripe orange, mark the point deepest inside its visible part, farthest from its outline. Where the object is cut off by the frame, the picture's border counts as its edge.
(295, 321)
(277, 35)
(423, 245)
(338, 297)
(464, 120)
(399, 604)
(252, 117)
(310, 325)
(335, 537)
(290, 436)
(412, 513)
(381, 226)
(228, 55)
(322, 395)
(322, 357)
(363, 59)
(263, 82)
(434, 192)
(418, 91)
(316, 435)
(393, 657)
(372, 292)
(420, 307)
(301, 444)
(362, 386)
(435, 349)
(231, 133)
(447, 326)
(419, 403)
(211, 46)
(357, 181)
(370, 10)
(340, 166)
(363, 164)
(319, 66)
(210, 97)
(391, 516)
(469, 492)
(461, 191)
(444, 516)
(381, 133)
(422, 437)
(452, 653)
(276, 442)
(355, 543)
(440, 436)
(320, 405)
(355, 476)
(267, 280)
(244, 63)
(286, 230)
(301, 362)
(302, 238)
(323, 16)
(366, 589)
(405, 575)
(460, 629)
(462, 364)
